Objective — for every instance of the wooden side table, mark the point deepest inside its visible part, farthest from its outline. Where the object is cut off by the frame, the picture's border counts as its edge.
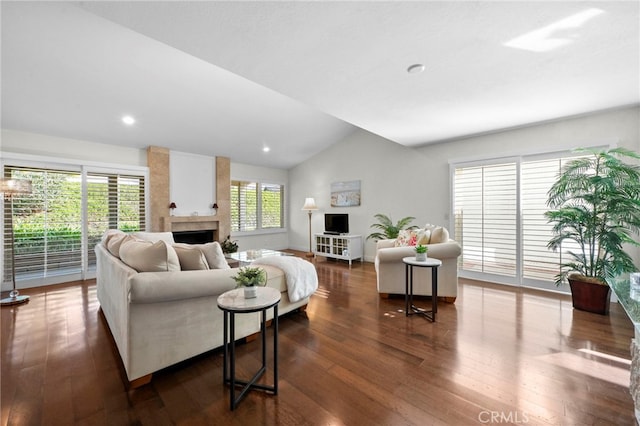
(231, 303)
(410, 309)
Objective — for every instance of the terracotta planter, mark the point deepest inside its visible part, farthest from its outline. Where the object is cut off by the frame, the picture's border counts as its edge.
(590, 297)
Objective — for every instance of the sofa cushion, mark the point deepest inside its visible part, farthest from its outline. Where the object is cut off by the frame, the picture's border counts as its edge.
(145, 256)
(212, 253)
(424, 236)
(191, 259)
(114, 243)
(109, 233)
(439, 235)
(167, 237)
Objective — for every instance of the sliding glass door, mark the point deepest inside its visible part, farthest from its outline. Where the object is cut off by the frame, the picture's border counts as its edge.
(499, 218)
(57, 226)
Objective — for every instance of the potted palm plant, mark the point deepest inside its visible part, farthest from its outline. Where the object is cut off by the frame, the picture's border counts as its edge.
(388, 228)
(595, 207)
(250, 277)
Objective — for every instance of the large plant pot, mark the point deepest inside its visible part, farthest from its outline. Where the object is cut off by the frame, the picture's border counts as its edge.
(590, 297)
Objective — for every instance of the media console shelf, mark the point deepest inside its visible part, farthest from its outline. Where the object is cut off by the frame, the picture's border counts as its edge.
(345, 247)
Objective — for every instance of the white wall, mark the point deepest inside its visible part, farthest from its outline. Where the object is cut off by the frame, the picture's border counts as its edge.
(400, 181)
(54, 147)
(275, 240)
(395, 180)
(192, 183)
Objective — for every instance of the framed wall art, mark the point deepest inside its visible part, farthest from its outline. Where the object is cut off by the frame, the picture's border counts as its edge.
(345, 194)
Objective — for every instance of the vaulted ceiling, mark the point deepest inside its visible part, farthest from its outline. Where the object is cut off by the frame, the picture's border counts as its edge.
(230, 78)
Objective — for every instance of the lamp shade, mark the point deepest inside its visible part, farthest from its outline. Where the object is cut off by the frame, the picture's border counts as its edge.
(15, 186)
(309, 204)
(215, 206)
(172, 205)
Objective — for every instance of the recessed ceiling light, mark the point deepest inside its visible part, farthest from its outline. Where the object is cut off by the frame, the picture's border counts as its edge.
(266, 149)
(128, 120)
(416, 69)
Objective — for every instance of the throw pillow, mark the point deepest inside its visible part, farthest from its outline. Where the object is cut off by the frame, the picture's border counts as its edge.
(424, 235)
(154, 237)
(407, 237)
(212, 252)
(191, 259)
(439, 235)
(110, 233)
(114, 243)
(145, 256)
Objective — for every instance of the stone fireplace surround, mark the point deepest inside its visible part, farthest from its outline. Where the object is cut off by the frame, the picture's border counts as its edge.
(158, 163)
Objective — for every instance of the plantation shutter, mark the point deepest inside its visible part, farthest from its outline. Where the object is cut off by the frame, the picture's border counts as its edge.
(539, 263)
(486, 210)
(485, 218)
(114, 201)
(47, 224)
(272, 212)
(244, 206)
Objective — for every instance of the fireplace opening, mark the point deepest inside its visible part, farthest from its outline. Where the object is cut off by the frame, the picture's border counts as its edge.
(194, 237)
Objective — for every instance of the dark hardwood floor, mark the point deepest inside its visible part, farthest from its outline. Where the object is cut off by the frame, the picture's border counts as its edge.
(499, 355)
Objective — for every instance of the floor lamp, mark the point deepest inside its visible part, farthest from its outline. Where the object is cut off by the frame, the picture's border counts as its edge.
(10, 188)
(309, 206)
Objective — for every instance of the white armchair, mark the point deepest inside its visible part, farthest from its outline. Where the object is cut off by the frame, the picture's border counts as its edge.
(390, 269)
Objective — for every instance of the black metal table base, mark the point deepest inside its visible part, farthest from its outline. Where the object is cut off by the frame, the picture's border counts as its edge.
(229, 359)
(410, 308)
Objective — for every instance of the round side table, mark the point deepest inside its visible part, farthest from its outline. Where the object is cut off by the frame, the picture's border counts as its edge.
(231, 303)
(410, 309)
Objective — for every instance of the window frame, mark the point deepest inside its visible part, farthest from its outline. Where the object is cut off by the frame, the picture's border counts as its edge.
(259, 183)
(519, 278)
(75, 166)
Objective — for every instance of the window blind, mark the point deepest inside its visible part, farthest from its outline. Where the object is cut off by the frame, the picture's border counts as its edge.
(47, 223)
(485, 216)
(256, 206)
(488, 200)
(114, 201)
(52, 237)
(244, 206)
(272, 212)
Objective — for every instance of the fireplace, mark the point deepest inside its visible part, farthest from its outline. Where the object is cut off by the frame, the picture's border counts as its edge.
(201, 236)
(193, 229)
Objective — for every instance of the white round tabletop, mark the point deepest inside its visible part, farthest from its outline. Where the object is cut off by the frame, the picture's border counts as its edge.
(429, 261)
(233, 300)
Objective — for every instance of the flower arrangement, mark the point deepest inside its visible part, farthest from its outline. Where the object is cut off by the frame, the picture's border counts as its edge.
(229, 246)
(250, 277)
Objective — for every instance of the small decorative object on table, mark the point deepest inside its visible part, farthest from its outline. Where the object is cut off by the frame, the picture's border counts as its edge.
(172, 206)
(229, 246)
(421, 253)
(249, 277)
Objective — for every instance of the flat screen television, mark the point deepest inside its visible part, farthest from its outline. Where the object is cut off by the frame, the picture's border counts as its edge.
(336, 223)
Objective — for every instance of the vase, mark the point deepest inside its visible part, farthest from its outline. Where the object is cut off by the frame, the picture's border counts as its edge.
(421, 257)
(250, 292)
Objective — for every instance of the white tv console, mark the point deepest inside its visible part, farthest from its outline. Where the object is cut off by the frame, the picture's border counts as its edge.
(345, 247)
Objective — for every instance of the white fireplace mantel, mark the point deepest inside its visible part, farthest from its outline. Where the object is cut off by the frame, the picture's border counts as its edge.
(189, 223)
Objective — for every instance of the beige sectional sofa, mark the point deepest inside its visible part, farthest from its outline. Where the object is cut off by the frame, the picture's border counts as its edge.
(390, 269)
(166, 316)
